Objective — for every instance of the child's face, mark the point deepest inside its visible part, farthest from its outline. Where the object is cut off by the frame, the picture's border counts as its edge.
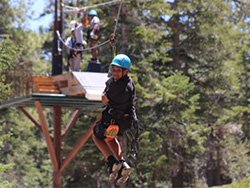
(118, 72)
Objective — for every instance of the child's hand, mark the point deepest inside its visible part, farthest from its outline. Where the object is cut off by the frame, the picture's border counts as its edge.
(105, 99)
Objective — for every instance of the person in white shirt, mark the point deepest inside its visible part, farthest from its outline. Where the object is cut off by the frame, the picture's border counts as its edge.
(75, 41)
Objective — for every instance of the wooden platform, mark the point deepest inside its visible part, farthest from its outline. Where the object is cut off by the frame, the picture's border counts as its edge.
(88, 84)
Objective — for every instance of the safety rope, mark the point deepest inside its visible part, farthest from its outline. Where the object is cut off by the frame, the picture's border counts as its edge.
(92, 6)
(80, 50)
(115, 28)
(102, 44)
(117, 17)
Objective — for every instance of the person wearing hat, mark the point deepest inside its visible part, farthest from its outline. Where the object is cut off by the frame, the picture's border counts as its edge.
(75, 42)
(93, 32)
(119, 98)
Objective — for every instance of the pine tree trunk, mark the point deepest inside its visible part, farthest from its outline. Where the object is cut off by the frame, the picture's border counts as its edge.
(177, 181)
(175, 26)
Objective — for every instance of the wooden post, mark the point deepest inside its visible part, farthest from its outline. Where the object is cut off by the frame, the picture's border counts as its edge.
(57, 118)
(55, 145)
(32, 119)
(27, 114)
(71, 123)
(77, 148)
(56, 54)
(44, 125)
(80, 144)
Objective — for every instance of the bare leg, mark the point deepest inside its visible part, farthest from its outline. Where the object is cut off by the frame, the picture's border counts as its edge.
(94, 51)
(102, 146)
(71, 64)
(116, 148)
(113, 166)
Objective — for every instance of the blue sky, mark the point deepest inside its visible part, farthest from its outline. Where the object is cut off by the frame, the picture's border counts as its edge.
(37, 9)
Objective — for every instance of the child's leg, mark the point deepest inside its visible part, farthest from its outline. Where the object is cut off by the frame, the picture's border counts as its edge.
(102, 146)
(116, 148)
(94, 51)
(113, 164)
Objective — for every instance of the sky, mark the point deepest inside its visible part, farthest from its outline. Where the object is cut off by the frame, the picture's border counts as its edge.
(38, 8)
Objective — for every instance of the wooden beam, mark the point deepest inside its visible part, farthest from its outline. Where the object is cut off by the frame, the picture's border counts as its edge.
(44, 125)
(48, 91)
(80, 144)
(43, 79)
(29, 116)
(70, 123)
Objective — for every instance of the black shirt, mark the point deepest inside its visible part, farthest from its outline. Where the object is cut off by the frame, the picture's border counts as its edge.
(121, 94)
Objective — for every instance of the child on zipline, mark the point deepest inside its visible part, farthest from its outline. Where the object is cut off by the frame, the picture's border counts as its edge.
(119, 98)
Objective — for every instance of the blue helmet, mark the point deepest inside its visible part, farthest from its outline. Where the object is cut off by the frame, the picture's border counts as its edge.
(93, 13)
(122, 61)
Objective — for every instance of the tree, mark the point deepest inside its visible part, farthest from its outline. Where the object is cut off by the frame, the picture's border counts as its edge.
(198, 39)
(191, 68)
(18, 52)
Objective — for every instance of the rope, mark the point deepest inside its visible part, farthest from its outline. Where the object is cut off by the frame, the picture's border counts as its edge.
(117, 17)
(80, 50)
(102, 44)
(92, 6)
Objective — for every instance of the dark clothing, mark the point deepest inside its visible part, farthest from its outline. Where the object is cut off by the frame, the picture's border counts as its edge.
(73, 52)
(121, 95)
(97, 32)
(123, 122)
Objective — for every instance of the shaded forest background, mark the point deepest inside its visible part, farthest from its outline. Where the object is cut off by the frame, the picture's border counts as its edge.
(191, 66)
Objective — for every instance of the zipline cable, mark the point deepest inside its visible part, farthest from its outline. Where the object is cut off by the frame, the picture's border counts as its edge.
(92, 6)
(113, 34)
(102, 44)
(80, 50)
(117, 17)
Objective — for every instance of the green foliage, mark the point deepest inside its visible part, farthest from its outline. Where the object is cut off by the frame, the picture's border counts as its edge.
(202, 44)
(4, 168)
(235, 158)
(26, 150)
(8, 58)
(156, 166)
(191, 70)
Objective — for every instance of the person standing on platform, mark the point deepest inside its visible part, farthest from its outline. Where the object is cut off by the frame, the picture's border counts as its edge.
(76, 42)
(93, 33)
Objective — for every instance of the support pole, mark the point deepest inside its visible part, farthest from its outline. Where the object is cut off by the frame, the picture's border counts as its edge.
(29, 116)
(77, 148)
(44, 125)
(56, 54)
(70, 124)
(32, 119)
(80, 144)
(55, 145)
(57, 118)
